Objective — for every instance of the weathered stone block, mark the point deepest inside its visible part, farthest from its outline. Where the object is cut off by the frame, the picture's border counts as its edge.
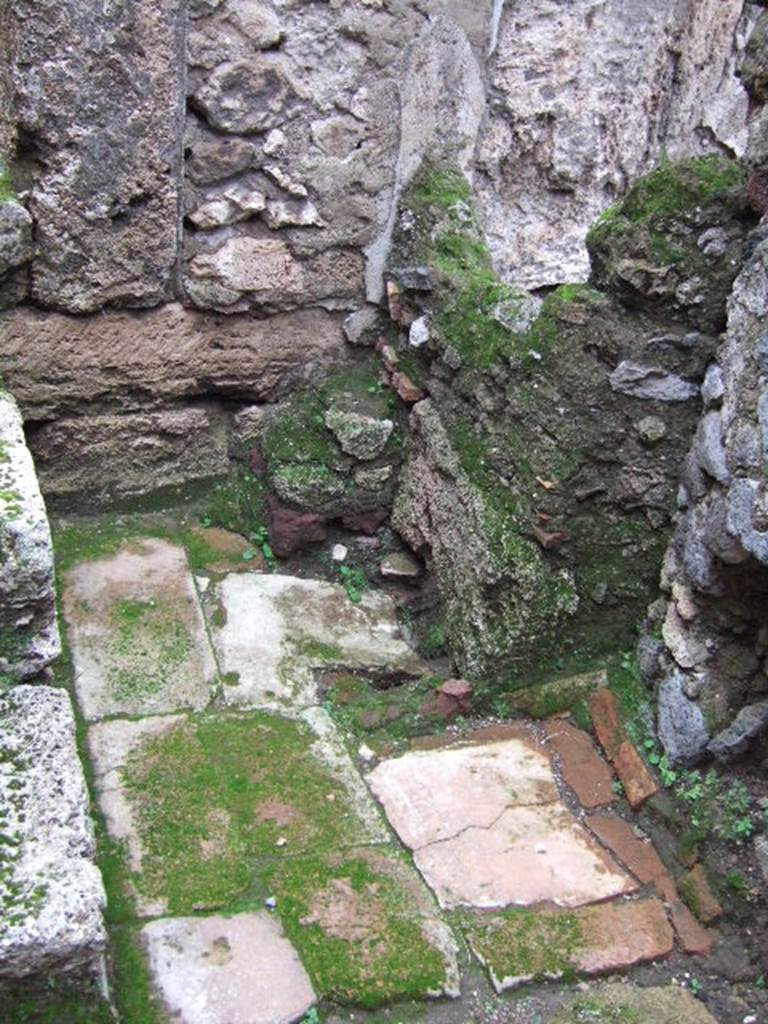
(51, 893)
(59, 365)
(113, 457)
(29, 635)
(104, 198)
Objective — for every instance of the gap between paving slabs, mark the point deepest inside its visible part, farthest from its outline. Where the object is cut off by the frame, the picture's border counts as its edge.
(199, 800)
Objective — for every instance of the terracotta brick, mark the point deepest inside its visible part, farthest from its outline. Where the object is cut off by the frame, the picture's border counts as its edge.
(607, 722)
(583, 769)
(703, 903)
(640, 857)
(632, 770)
(693, 938)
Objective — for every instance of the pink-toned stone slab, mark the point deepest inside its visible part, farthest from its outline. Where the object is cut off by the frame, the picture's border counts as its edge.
(529, 855)
(432, 795)
(227, 970)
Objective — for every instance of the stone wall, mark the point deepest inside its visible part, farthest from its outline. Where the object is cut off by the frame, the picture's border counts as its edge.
(247, 158)
(706, 646)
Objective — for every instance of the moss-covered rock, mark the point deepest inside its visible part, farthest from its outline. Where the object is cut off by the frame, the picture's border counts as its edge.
(533, 483)
(674, 244)
(334, 452)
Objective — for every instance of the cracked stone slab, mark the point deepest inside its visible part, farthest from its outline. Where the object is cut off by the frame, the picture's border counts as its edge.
(227, 970)
(137, 633)
(488, 828)
(529, 855)
(273, 632)
(51, 892)
(430, 796)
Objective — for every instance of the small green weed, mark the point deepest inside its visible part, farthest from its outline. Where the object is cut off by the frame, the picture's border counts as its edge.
(260, 538)
(355, 582)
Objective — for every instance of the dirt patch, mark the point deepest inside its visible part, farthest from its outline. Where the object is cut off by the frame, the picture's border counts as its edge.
(345, 914)
(276, 811)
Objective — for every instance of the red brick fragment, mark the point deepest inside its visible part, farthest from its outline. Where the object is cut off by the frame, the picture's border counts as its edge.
(705, 905)
(637, 781)
(582, 767)
(694, 939)
(638, 856)
(607, 722)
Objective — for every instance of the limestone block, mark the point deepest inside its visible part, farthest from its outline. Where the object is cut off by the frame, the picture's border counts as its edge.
(29, 634)
(15, 235)
(564, 138)
(245, 270)
(104, 199)
(51, 893)
(113, 457)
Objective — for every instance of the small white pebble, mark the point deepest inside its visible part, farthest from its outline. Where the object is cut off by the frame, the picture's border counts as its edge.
(281, 841)
(540, 848)
(339, 552)
(365, 753)
(330, 798)
(751, 1018)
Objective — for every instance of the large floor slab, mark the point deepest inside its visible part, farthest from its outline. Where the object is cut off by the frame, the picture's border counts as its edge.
(201, 800)
(488, 828)
(227, 970)
(137, 633)
(273, 632)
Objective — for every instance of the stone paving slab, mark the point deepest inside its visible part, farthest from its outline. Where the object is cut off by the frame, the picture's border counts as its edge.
(520, 946)
(272, 632)
(365, 925)
(528, 856)
(51, 892)
(227, 970)
(488, 829)
(639, 856)
(617, 1001)
(138, 638)
(136, 796)
(432, 795)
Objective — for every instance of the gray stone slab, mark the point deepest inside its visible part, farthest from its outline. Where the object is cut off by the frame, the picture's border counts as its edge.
(109, 745)
(138, 637)
(51, 893)
(227, 970)
(273, 632)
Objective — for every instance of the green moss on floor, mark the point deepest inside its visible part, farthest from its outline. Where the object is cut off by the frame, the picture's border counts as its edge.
(212, 796)
(526, 943)
(148, 646)
(553, 697)
(356, 927)
(133, 993)
(237, 504)
(592, 1010)
(381, 716)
